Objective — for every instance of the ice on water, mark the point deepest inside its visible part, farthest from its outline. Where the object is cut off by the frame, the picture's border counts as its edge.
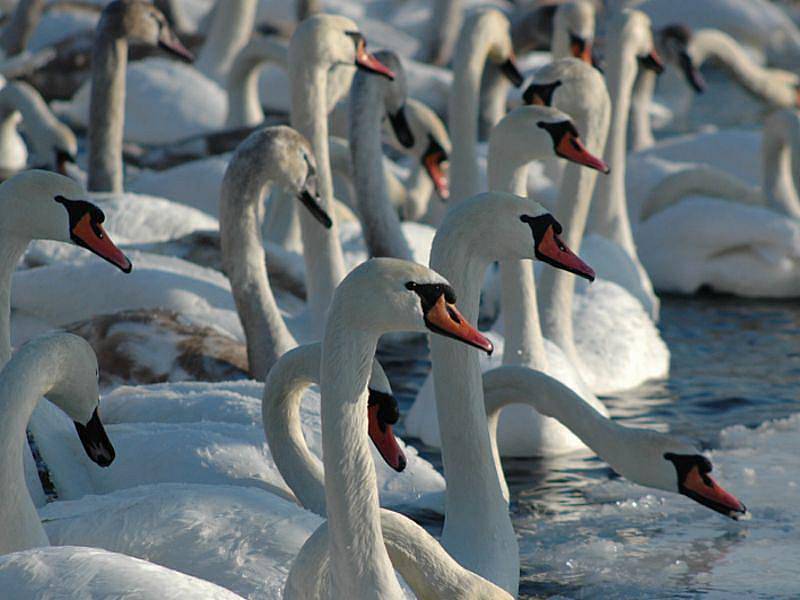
(625, 542)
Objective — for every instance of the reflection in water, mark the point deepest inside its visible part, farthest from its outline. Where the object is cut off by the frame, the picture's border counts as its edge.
(584, 532)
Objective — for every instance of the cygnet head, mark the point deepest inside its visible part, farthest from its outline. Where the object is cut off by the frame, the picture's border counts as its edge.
(48, 206)
(140, 21)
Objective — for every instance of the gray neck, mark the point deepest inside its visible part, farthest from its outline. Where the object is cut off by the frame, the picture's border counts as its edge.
(107, 112)
(477, 528)
(381, 225)
(360, 563)
(243, 257)
(19, 29)
(322, 251)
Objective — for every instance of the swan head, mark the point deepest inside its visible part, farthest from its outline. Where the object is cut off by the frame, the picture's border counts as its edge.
(283, 156)
(633, 29)
(431, 143)
(576, 19)
(388, 294)
(55, 148)
(669, 463)
(77, 392)
(330, 40)
(49, 206)
(140, 21)
(495, 26)
(533, 132)
(674, 44)
(394, 97)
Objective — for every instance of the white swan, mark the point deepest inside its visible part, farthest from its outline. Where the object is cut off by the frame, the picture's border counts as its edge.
(631, 40)
(52, 144)
(485, 35)
(733, 237)
(231, 26)
(62, 367)
(485, 228)
(622, 347)
(643, 456)
(68, 572)
(317, 44)
(389, 295)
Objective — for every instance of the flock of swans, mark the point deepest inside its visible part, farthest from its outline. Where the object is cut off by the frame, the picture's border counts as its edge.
(220, 242)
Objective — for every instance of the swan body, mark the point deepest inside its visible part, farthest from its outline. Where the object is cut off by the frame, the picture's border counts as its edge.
(69, 571)
(736, 237)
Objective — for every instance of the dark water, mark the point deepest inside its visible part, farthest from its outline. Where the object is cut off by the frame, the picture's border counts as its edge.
(734, 362)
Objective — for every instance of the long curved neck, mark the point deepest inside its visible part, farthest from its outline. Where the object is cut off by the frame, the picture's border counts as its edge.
(18, 31)
(780, 161)
(477, 528)
(322, 251)
(11, 250)
(244, 103)
(230, 29)
(38, 119)
(557, 287)
(283, 393)
(379, 219)
(360, 564)
(709, 44)
(23, 381)
(107, 111)
(469, 60)
(524, 344)
(609, 206)
(243, 257)
(641, 127)
(520, 385)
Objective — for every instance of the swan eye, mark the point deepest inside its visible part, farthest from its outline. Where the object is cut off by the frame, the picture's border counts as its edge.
(429, 293)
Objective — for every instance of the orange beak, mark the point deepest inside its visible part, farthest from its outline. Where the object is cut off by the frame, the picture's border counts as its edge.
(554, 252)
(365, 60)
(384, 440)
(581, 49)
(706, 491)
(433, 165)
(93, 237)
(444, 319)
(571, 148)
(653, 62)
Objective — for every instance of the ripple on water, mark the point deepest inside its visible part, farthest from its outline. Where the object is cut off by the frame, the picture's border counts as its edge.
(734, 385)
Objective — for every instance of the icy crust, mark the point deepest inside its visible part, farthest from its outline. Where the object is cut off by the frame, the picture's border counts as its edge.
(212, 433)
(626, 542)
